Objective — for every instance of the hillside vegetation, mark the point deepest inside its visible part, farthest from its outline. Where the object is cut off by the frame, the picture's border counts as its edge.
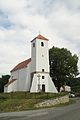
(19, 101)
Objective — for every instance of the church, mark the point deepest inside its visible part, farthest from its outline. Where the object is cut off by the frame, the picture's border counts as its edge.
(32, 75)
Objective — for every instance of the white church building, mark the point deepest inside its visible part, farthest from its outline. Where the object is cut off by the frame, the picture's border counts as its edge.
(33, 74)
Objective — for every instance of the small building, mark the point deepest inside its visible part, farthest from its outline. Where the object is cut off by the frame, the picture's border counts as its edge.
(33, 74)
(65, 88)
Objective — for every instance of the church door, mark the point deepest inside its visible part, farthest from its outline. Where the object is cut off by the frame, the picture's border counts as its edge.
(43, 88)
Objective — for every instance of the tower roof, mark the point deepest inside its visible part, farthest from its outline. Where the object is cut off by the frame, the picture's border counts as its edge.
(21, 65)
(40, 37)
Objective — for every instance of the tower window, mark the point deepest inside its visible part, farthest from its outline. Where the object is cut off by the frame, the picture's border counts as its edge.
(42, 70)
(42, 44)
(33, 44)
(42, 77)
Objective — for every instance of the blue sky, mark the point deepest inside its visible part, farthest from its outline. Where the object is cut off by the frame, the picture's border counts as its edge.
(22, 20)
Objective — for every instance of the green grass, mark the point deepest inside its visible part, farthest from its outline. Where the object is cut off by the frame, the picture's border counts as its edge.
(27, 95)
(19, 101)
(16, 105)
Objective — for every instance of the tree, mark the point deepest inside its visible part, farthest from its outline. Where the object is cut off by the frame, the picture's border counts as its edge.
(63, 65)
(1, 84)
(4, 80)
(75, 84)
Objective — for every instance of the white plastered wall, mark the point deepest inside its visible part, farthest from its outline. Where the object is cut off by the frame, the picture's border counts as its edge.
(39, 56)
(47, 81)
(23, 80)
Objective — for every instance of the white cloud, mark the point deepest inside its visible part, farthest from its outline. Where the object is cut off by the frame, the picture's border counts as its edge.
(21, 21)
(66, 24)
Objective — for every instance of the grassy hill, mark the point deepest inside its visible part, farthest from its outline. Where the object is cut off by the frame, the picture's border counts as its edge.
(19, 101)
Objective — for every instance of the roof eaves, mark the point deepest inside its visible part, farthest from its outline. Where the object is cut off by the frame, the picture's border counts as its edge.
(10, 82)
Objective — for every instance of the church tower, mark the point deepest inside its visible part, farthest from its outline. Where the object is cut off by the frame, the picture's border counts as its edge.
(41, 80)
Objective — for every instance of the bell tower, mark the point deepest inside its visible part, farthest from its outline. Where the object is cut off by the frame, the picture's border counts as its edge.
(40, 77)
(39, 55)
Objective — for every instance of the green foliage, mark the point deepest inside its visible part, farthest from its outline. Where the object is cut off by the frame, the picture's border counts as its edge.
(76, 88)
(63, 65)
(3, 81)
(74, 82)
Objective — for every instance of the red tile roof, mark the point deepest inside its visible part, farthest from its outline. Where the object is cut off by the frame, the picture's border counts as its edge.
(10, 82)
(40, 37)
(21, 65)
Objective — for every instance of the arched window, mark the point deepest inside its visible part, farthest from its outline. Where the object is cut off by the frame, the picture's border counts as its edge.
(42, 44)
(42, 70)
(43, 77)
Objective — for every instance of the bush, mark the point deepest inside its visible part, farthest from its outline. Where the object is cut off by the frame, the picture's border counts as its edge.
(76, 88)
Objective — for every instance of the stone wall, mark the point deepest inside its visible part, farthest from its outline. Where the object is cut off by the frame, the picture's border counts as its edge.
(53, 102)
